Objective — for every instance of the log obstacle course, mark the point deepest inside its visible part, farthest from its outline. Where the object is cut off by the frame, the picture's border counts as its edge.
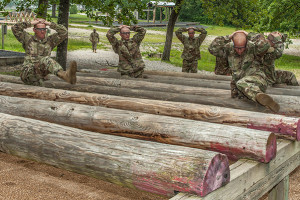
(212, 126)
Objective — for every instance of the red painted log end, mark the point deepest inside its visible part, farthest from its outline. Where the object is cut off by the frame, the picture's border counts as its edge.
(218, 174)
(271, 148)
(298, 131)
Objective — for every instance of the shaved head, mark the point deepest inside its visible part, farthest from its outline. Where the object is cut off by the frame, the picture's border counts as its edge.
(240, 42)
(125, 33)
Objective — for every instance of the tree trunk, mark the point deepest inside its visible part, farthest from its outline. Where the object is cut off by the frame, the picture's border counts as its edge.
(63, 18)
(283, 126)
(235, 142)
(53, 10)
(170, 30)
(149, 166)
(42, 9)
(289, 105)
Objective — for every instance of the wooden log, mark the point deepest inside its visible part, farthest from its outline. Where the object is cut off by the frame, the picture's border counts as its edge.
(144, 165)
(283, 126)
(289, 105)
(235, 142)
(181, 82)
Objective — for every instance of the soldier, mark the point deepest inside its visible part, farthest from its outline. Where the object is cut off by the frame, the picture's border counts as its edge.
(222, 66)
(245, 58)
(38, 64)
(191, 50)
(276, 40)
(130, 60)
(94, 38)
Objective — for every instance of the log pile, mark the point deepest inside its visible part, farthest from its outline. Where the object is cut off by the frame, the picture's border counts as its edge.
(176, 133)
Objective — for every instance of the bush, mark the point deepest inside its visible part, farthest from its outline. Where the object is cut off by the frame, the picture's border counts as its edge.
(73, 9)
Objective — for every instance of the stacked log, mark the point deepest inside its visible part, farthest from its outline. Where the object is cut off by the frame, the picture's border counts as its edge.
(289, 105)
(235, 142)
(283, 126)
(144, 165)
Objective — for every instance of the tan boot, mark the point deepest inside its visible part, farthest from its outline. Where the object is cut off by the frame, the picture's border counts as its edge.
(267, 101)
(70, 74)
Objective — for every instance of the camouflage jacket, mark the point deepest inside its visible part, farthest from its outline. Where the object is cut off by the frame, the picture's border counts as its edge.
(94, 37)
(36, 49)
(191, 50)
(247, 64)
(128, 51)
(269, 58)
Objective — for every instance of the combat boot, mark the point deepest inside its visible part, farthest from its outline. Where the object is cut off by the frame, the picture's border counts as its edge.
(267, 101)
(70, 74)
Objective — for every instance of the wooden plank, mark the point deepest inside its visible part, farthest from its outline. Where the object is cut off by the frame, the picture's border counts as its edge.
(280, 191)
(137, 164)
(251, 180)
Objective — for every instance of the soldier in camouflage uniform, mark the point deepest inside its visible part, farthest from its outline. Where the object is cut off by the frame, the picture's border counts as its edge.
(191, 50)
(222, 66)
(245, 58)
(94, 38)
(130, 59)
(276, 40)
(38, 64)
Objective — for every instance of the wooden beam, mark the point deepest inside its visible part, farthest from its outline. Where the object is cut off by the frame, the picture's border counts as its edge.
(138, 164)
(282, 125)
(280, 191)
(251, 180)
(235, 142)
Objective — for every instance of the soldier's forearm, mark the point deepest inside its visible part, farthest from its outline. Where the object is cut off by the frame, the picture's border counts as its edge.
(59, 28)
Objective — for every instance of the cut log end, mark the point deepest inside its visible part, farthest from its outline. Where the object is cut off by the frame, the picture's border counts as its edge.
(298, 131)
(271, 148)
(218, 174)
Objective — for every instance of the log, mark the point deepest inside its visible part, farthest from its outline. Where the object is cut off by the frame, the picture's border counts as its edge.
(144, 165)
(199, 75)
(235, 142)
(289, 105)
(179, 82)
(282, 125)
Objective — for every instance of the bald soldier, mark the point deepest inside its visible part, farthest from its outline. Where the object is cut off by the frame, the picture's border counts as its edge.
(94, 38)
(276, 41)
(244, 59)
(38, 63)
(191, 50)
(131, 63)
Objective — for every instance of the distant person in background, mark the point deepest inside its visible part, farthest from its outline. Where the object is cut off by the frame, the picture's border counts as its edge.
(131, 63)
(94, 38)
(276, 41)
(222, 66)
(38, 63)
(191, 49)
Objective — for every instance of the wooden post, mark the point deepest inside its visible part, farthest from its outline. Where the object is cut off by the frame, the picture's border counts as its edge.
(280, 191)
(160, 15)
(235, 142)
(154, 14)
(138, 164)
(2, 27)
(283, 126)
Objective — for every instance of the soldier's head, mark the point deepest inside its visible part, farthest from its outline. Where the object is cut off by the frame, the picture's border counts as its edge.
(239, 42)
(125, 33)
(191, 33)
(40, 30)
(94, 30)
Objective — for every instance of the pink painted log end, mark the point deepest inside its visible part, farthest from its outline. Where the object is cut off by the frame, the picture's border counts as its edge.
(271, 148)
(298, 131)
(217, 175)
(201, 181)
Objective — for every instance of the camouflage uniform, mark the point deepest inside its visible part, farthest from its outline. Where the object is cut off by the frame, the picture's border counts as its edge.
(94, 38)
(247, 75)
(222, 67)
(191, 50)
(273, 53)
(130, 58)
(38, 64)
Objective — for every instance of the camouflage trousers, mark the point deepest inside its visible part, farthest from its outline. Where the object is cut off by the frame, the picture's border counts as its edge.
(34, 71)
(251, 85)
(94, 45)
(190, 66)
(222, 66)
(286, 77)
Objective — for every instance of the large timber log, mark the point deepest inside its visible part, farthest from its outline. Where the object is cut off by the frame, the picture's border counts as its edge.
(289, 105)
(285, 126)
(138, 164)
(235, 142)
(180, 82)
